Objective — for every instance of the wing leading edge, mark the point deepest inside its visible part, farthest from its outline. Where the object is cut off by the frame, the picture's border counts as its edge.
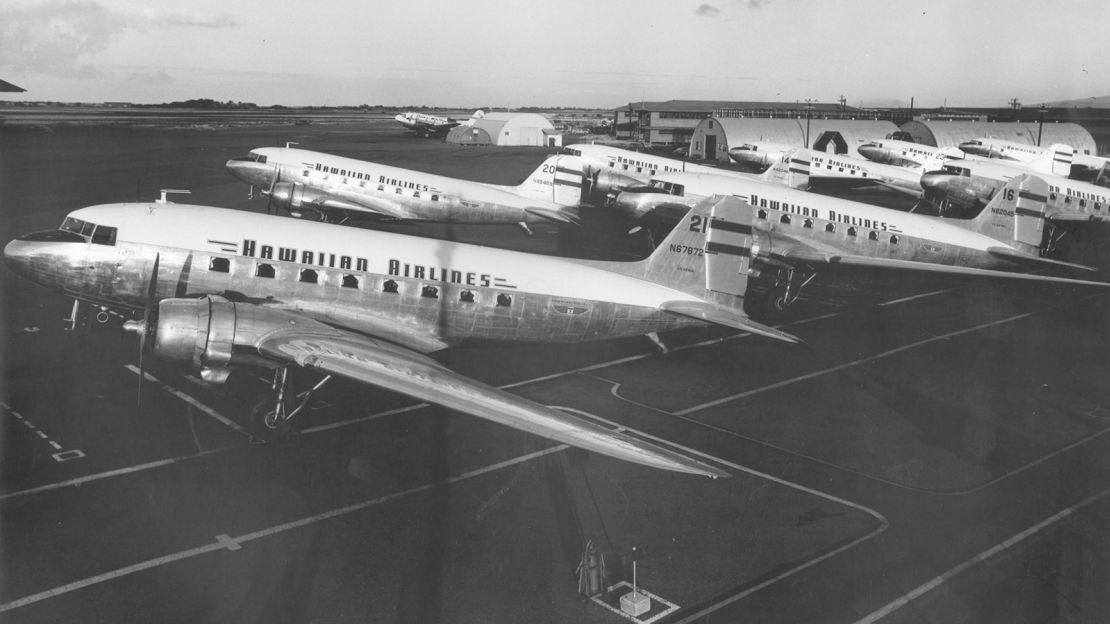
(382, 364)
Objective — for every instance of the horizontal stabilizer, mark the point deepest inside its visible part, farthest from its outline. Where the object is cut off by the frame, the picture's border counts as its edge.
(728, 317)
(812, 257)
(554, 214)
(1003, 252)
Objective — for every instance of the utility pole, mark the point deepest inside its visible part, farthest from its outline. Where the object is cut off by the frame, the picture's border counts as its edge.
(1040, 122)
(809, 109)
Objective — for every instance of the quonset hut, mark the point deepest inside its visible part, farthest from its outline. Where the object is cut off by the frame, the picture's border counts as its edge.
(506, 129)
(714, 136)
(952, 133)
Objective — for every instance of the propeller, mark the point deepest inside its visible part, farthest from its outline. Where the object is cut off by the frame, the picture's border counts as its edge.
(146, 326)
(270, 193)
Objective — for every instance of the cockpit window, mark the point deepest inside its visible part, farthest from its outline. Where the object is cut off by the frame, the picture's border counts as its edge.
(259, 158)
(100, 235)
(104, 235)
(570, 151)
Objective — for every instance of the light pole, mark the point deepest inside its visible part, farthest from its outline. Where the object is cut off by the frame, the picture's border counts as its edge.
(1040, 122)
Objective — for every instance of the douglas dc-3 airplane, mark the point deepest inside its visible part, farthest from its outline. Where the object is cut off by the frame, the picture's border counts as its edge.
(799, 235)
(337, 188)
(609, 170)
(427, 126)
(221, 289)
(972, 182)
(1083, 165)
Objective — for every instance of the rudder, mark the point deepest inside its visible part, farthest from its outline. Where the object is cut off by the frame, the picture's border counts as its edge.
(791, 170)
(1016, 214)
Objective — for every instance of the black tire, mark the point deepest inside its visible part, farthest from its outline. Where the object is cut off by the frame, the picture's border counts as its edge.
(263, 426)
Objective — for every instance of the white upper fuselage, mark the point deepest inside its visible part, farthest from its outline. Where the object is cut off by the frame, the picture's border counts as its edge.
(1065, 194)
(865, 217)
(360, 176)
(232, 233)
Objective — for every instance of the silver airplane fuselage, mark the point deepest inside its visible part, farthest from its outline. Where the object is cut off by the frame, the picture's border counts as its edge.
(422, 293)
(307, 181)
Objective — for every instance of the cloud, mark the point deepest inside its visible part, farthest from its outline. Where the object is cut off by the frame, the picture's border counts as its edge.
(54, 37)
(144, 77)
(707, 10)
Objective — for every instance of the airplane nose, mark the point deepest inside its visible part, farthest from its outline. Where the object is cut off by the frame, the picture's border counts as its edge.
(251, 171)
(870, 152)
(935, 181)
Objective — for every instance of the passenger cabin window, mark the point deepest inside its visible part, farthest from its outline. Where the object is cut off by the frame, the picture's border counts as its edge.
(785, 219)
(350, 281)
(219, 265)
(873, 235)
(830, 227)
(389, 286)
(808, 223)
(851, 231)
(310, 276)
(430, 292)
(504, 301)
(264, 270)
(466, 296)
(762, 214)
(893, 239)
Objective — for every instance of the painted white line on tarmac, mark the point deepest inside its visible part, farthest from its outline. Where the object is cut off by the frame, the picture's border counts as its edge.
(884, 524)
(105, 475)
(75, 453)
(853, 363)
(224, 541)
(191, 401)
(923, 589)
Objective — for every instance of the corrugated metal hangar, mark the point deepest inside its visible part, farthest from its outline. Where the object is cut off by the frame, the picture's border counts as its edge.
(507, 129)
(952, 133)
(714, 136)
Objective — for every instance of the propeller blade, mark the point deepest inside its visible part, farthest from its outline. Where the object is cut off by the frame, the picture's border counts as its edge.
(148, 325)
(270, 193)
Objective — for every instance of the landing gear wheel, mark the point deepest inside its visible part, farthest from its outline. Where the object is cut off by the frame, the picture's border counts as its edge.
(264, 423)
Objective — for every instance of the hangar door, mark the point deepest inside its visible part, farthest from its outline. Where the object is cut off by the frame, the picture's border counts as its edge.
(528, 136)
(710, 146)
(831, 138)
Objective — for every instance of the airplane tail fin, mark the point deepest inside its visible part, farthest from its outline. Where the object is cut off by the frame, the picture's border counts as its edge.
(1055, 161)
(1016, 214)
(558, 179)
(709, 255)
(478, 114)
(792, 170)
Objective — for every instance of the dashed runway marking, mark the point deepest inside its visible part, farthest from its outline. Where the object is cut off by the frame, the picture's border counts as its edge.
(58, 457)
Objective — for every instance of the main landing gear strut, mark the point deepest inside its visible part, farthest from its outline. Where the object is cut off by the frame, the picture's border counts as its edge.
(269, 419)
(788, 284)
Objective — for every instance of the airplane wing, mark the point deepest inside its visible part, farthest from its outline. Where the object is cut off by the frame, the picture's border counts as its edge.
(807, 255)
(369, 360)
(361, 204)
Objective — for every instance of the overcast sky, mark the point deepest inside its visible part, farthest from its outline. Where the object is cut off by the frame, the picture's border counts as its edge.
(594, 53)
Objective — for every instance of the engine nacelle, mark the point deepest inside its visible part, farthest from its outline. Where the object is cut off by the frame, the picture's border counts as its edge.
(291, 196)
(204, 333)
(607, 182)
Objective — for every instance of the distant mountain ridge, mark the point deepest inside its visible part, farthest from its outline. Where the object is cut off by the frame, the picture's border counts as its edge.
(1102, 101)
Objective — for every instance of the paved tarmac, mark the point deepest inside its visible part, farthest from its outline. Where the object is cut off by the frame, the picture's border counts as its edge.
(941, 456)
